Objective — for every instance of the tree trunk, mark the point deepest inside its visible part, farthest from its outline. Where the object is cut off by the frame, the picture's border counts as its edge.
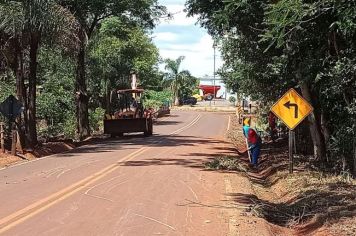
(176, 101)
(82, 99)
(21, 95)
(324, 127)
(20, 84)
(315, 128)
(107, 102)
(176, 95)
(354, 157)
(34, 45)
(108, 93)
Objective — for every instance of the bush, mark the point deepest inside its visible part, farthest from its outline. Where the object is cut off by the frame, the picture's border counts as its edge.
(7, 87)
(70, 126)
(50, 128)
(96, 119)
(225, 163)
(151, 103)
(154, 99)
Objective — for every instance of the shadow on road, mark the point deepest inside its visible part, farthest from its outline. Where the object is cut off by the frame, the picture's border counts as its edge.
(193, 163)
(136, 141)
(167, 122)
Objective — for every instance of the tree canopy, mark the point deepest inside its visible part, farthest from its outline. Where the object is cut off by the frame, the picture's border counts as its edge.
(181, 82)
(271, 46)
(59, 57)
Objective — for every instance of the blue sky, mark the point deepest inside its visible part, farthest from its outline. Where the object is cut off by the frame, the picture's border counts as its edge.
(181, 36)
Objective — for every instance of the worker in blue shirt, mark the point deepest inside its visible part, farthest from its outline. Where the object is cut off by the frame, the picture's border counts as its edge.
(254, 141)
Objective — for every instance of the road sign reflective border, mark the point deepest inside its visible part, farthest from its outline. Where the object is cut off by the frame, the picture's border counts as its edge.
(292, 109)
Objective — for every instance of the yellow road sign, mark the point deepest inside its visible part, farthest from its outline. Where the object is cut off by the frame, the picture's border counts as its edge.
(292, 109)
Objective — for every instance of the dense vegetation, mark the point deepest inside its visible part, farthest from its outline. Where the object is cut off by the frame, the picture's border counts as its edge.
(62, 59)
(271, 46)
(180, 82)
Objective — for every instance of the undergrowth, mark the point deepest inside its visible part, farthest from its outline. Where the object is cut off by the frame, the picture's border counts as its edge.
(307, 199)
(307, 195)
(225, 163)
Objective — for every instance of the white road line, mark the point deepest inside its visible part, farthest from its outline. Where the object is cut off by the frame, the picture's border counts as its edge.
(195, 195)
(157, 221)
(187, 126)
(116, 185)
(63, 172)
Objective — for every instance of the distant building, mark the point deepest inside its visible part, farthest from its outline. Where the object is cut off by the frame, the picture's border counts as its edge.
(209, 80)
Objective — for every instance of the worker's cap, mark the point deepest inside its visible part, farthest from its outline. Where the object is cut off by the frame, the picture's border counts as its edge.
(247, 121)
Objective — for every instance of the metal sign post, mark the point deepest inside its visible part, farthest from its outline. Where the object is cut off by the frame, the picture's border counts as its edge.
(290, 151)
(292, 109)
(214, 46)
(13, 141)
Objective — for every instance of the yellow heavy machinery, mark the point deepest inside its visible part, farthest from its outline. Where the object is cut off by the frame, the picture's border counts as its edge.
(129, 116)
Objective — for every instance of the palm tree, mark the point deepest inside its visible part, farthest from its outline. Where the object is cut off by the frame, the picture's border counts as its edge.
(34, 22)
(176, 79)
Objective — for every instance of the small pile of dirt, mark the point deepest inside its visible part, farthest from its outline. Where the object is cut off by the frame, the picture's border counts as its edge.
(7, 159)
(42, 150)
(51, 148)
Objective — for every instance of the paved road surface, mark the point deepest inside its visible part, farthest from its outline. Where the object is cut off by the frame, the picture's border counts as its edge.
(130, 186)
(216, 103)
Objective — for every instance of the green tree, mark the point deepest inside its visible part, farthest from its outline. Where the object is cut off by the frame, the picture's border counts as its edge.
(178, 80)
(154, 99)
(115, 51)
(318, 42)
(28, 24)
(55, 103)
(271, 46)
(90, 13)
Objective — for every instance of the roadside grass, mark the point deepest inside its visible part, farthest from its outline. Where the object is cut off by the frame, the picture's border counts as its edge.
(307, 200)
(225, 163)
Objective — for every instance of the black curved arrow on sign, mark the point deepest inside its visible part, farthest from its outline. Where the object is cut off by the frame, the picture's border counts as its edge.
(289, 104)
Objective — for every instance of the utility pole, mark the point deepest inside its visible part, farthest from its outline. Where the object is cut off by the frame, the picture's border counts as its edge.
(214, 46)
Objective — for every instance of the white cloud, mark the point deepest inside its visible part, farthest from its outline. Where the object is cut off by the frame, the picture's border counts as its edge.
(199, 57)
(165, 36)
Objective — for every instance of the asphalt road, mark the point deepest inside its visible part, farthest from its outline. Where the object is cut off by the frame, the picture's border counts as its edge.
(128, 186)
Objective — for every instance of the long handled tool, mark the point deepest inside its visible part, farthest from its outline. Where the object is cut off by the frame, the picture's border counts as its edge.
(248, 150)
